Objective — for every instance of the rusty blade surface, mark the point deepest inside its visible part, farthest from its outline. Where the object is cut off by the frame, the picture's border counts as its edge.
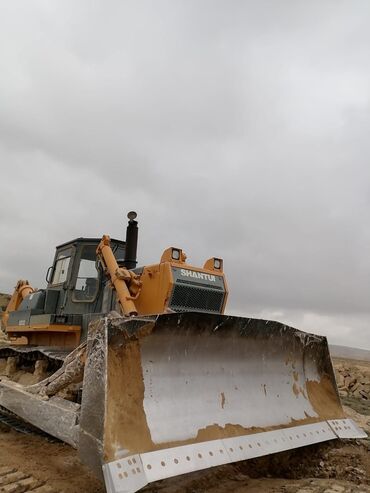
(181, 379)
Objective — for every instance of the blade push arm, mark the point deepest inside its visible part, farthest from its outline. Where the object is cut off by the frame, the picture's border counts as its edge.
(119, 277)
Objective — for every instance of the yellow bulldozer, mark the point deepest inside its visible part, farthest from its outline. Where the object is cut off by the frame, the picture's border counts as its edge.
(141, 371)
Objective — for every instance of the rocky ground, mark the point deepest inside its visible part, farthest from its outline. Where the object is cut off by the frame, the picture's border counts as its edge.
(29, 463)
(353, 379)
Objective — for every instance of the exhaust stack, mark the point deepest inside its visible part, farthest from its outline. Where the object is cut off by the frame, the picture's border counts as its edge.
(131, 241)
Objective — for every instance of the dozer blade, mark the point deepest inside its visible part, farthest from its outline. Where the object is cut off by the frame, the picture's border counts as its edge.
(184, 392)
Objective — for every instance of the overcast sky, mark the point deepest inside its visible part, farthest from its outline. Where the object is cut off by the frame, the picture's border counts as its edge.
(238, 129)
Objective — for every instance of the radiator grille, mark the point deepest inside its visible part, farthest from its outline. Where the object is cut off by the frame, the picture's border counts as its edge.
(191, 298)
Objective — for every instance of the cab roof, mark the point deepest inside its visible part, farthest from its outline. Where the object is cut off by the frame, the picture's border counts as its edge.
(90, 240)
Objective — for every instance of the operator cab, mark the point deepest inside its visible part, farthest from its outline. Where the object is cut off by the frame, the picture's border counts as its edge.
(76, 273)
(73, 297)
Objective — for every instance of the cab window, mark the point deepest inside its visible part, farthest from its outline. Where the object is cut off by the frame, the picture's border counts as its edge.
(61, 267)
(87, 282)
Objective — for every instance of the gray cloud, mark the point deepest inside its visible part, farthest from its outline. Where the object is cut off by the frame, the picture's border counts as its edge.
(237, 129)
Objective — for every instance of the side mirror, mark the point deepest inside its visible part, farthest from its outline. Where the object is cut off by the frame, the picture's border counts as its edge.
(48, 274)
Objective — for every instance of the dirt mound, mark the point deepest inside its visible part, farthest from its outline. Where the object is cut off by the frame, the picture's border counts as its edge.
(318, 468)
(13, 480)
(52, 463)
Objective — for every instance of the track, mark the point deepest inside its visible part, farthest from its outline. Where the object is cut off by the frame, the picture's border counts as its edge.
(13, 421)
(34, 353)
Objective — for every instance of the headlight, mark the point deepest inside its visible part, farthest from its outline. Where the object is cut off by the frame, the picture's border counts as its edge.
(176, 254)
(217, 263)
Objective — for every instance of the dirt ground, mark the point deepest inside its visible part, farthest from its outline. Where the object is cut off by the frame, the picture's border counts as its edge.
(52, 467)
